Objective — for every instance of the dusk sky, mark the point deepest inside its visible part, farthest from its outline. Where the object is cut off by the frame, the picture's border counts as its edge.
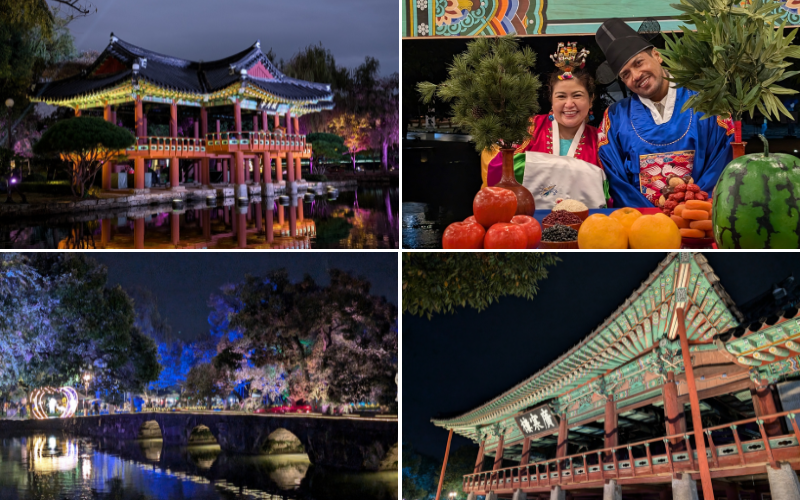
(184, 281)
(456, 362)
(213, 29)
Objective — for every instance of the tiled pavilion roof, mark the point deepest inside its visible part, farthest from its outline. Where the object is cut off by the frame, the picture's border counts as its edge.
(123, 69)
(633, 329)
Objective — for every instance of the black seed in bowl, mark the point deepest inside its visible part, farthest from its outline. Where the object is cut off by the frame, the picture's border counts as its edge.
(559, 233)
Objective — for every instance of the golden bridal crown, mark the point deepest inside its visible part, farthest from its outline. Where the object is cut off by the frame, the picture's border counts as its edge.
(568, 58)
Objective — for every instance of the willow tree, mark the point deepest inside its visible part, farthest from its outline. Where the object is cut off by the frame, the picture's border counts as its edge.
(86, 143)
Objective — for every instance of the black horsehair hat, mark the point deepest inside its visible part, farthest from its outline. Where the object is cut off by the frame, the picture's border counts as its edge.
(619, 42)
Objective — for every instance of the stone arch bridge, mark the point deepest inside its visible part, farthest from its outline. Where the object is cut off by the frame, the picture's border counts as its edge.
(366, 443)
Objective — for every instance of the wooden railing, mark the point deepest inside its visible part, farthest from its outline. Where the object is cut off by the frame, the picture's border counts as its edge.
(225, 142)
(725, 449)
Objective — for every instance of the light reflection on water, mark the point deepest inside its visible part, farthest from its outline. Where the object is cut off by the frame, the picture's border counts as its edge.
(364, 218)
(44, 467)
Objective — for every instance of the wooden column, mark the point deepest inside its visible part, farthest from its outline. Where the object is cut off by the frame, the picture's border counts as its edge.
(526, 452)
(174, 162)
(138, 233)
(266, 159)
(610, 424)
(259, 218)
(237, 116)
(105, 231)
(240, 178)
(298, 174)
(264, 121)
(288, 118)
(241, 228)
(108, 167)
(498, 455)
(269, 224)
(205, 174)
(276, 120)
(764, 404)
(673, 412)
(700, 443)
(278, 168)
(296, 125)
(563, 433)
(138, 163)
(444, 464)
(479, 460)
(255, 123)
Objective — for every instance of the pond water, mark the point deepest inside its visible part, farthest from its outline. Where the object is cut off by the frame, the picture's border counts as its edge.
(355, 219)
(50, 467)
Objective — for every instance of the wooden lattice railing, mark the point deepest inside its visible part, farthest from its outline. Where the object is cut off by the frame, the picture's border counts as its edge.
(726, 451)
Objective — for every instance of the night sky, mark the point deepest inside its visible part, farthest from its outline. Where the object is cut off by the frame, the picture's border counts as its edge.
(184, 281)
(214, 29)
(454, 363)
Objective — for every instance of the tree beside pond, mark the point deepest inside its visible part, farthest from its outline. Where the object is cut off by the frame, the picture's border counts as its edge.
(86, 143)
(354, 130)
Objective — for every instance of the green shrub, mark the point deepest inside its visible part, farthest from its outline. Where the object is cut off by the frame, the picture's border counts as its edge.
(51, 187)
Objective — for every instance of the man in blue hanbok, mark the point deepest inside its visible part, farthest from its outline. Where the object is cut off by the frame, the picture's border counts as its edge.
(645, 138)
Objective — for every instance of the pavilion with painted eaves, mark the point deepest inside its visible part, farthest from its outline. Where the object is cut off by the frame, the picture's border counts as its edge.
(619, 414)
(126, 80)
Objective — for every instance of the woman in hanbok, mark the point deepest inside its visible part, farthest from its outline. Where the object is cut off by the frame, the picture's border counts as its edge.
(559, 160)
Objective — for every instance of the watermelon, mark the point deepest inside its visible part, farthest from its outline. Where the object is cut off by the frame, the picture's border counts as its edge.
(756, 202)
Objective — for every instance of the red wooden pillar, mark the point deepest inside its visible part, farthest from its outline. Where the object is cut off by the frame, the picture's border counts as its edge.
(298, 174)
(174, 162)
(479, 460)
(138, 163)
(267, 161)
(526, 452)
(292, 216)
(289, 129)
(237, 117)
(225, 171)
(300, 215)
(276, 121)
(257, 169)
(239, 157)
(175, 228)
(205, 174)
(108, 167)
(610, 425)
(289, 168)
(279, 168)
(700, 443)
(675, 419)
(255, 123)
(296, 125)
(498, 455)
(264, 121)
(764, 404)
(205, 220)
(563, 433)
(280, 215)
(444, 464)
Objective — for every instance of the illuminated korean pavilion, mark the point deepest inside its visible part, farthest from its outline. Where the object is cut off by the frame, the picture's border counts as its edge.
(129, 80)
(619, 414)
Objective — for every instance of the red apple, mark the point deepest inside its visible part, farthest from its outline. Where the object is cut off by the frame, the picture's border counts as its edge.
(465, 234)
(492, 205)
(506, 236)
(532, 229)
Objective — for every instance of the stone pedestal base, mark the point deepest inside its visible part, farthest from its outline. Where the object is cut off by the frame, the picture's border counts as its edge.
(557, 493)
(291, 187)
(240, 191)
(491, 496)
(472, 496)
(684, 488)
(783, 482)
(141, 191)
(519, 495)
(268, 189)
(612, 491)
(177, 189)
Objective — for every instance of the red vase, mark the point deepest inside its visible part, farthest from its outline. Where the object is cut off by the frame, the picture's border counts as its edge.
(525, 203)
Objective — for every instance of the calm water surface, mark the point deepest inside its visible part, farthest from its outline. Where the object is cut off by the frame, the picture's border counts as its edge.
(360, 218)
(50, 467)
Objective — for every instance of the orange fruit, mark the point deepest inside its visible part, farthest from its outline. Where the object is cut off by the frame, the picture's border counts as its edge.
(655, 231)
(627, 216)
(601, 231)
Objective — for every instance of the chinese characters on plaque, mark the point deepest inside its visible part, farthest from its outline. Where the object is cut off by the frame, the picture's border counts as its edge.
(537, 421)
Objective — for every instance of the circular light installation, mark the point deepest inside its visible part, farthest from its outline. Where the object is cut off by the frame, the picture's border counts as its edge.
(46, 402)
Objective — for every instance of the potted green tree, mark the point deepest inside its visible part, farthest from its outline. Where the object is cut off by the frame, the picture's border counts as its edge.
(494, 96)
(733, 57)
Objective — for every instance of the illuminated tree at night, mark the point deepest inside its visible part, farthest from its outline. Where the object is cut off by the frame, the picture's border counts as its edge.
(336, 344)
(355, 131)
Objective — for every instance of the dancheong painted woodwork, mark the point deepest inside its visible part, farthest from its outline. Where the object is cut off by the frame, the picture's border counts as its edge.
(623, 400)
